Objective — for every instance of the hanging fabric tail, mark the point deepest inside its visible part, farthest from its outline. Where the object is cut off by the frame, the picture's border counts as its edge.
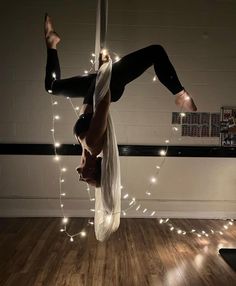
(108, 196)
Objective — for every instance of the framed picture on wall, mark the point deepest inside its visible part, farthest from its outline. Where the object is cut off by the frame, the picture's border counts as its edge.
(228, 127)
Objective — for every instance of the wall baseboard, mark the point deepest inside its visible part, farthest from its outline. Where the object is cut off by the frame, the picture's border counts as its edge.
(70, 213)
(49, 207)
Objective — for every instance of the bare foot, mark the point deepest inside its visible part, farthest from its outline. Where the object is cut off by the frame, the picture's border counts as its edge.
(183, 100)
(51, 37)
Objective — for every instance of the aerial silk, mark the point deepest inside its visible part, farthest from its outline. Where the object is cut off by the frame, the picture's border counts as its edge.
(108, 196)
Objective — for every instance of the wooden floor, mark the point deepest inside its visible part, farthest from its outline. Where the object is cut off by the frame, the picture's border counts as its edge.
(142, 252)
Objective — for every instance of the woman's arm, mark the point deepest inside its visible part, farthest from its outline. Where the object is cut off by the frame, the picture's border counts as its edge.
(98, 124)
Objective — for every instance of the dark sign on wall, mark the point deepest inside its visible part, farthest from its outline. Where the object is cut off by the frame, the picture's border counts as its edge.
(228, 127)
(198, 124)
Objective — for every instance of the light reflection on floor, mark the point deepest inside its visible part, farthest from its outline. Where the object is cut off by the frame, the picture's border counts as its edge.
(177, 275)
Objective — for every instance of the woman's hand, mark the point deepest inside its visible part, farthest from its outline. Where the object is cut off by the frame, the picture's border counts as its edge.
(103, 57)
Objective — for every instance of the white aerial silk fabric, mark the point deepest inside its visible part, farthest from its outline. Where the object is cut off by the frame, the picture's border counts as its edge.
(101, 29)
(108, 196)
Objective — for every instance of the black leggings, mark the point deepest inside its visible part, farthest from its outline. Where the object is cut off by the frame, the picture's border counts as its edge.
(124, 71)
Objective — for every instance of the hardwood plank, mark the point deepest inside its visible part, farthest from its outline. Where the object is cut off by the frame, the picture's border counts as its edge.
(141, 253)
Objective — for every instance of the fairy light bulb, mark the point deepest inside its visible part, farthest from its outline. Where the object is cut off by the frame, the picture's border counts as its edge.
(92, 62)
(63, 169)
(54, 75)
(121, 187)
(167, 141)
(52, 130)
(83, 233)
(92, 199)
(85, 72)
(124, 213)
(182, 114)
(138, 207)
(158, 167)
(162, 152)
(49, 91)
(193, 230)
(117, 58)
(55, 103)
(175, 129)
(92, 210)
(199, 235)
(62, 205)
(77, 108)
(62, 180)
(220, 232)
(63, 194)
(161, 221)
(93, 55)
(57, 158)
(152, 214)
(153, 180)
(144, 210)
(130, 204)
(172, 228)
(148, 193)
(154, 78)
(57, 144)
(65, 220)
(184, 233)
(62, 230)
(230, 223)
(179, 231)
(56, 117)
(167, 220)
(126, 196)
(226, 227)
(71, 239)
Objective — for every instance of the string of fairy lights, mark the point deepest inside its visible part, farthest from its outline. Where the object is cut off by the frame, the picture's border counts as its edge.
(132, 202)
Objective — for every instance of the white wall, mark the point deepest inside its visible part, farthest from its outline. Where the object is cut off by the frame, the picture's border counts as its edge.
(199, 38)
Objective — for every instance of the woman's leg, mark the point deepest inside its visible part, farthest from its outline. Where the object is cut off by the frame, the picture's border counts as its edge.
(78, 86)
(133, 65)
(53, 70)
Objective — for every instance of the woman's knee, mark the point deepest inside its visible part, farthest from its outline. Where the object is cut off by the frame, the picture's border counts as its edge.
(50, 87)
(156, 49)
(47, 86)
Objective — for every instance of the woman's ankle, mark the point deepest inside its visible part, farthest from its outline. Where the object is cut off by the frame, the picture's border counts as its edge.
(51, 47)
(52, 40)
(181, 93)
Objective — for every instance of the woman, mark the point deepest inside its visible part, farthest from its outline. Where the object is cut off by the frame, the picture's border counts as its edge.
(91, 126)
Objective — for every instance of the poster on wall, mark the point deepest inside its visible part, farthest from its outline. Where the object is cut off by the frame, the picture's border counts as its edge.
(198, 124)
(228, 127)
